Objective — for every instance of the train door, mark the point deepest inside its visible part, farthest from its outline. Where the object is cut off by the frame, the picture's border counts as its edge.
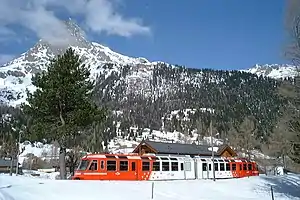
(227, 169)
(245, 169)
(216, 168)
(235, 169)
(182, 169)
(102, 170)
(196, 168)
(239, 169)
(250, 169)
(254, 169)
(204, 170)
(209, 170)
(134, 169)
(189, 169)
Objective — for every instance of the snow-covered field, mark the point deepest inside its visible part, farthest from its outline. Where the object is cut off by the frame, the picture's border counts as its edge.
(27, 188)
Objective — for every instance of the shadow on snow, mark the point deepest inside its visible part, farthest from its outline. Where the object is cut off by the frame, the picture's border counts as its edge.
(286, 185)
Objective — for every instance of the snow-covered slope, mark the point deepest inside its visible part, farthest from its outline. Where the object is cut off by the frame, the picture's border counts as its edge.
(25, 188)
(274, 70)
(15, 76)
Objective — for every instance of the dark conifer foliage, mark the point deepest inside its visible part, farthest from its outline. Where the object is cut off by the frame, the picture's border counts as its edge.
(61, 107)
(233, 95)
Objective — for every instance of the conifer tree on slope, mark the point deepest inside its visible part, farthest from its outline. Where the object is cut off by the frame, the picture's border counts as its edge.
(62, 106)
(292, 20)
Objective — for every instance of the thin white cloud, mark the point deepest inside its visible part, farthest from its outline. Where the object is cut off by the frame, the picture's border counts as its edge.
(4, 58)
(40, 17)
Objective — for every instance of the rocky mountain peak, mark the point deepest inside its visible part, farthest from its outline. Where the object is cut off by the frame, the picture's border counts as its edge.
(15, 76)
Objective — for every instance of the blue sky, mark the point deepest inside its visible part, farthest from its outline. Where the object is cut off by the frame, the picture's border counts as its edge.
(219, 34)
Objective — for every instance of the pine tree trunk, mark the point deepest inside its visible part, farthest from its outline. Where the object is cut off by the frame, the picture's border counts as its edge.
(62, 163)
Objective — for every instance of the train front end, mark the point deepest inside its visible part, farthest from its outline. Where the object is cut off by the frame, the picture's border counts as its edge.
(81, 169)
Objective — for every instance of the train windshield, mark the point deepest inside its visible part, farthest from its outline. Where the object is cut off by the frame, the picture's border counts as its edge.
(83, 164)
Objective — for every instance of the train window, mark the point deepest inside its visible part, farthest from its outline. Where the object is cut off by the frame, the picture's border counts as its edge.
(209, 167)
(241, 166)
(202, 159)
(94, 165)
(181, 166)
(245, 166)
(146, 166)
(249, 166)
(220, 160)
(226, 160)
(156, 166)
(111, 165)
(83, 164)
(188, 166)
(222, 167)
(164, 158)
(123, 165)
(102, 164)
(227, 167)
(233, 167)
(165, 166)
(174, 166)
(204, 166)
(216, 166)
(133, 166)
(173, 158)
(122, 157)
(110, 156)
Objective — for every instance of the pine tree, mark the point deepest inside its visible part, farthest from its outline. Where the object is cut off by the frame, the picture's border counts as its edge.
(61, 107)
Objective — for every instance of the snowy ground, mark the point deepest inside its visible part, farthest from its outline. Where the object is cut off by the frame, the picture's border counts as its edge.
(26, 188)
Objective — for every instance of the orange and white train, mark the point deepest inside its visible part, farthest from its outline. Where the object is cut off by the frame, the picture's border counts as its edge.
(161, 167)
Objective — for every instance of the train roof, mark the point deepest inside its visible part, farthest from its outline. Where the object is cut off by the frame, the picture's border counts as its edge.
(162, 156)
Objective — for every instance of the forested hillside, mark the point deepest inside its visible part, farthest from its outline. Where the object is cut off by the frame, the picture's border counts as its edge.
(228, 97)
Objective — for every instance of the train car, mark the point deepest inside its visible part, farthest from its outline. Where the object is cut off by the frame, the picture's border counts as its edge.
(112, 167)
(249, 168)
(223, 168)
(160, 167)
(173, 168)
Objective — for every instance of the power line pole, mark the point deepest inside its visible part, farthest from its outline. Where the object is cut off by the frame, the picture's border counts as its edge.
(212, 151)
(18, 154)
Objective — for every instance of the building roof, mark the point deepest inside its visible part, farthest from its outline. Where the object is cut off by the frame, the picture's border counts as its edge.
(178, 148)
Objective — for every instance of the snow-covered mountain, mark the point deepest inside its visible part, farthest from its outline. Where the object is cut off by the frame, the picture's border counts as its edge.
(274, 70)
(15, 76)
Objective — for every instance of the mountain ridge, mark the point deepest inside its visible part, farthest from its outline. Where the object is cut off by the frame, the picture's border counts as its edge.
(15, 75)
